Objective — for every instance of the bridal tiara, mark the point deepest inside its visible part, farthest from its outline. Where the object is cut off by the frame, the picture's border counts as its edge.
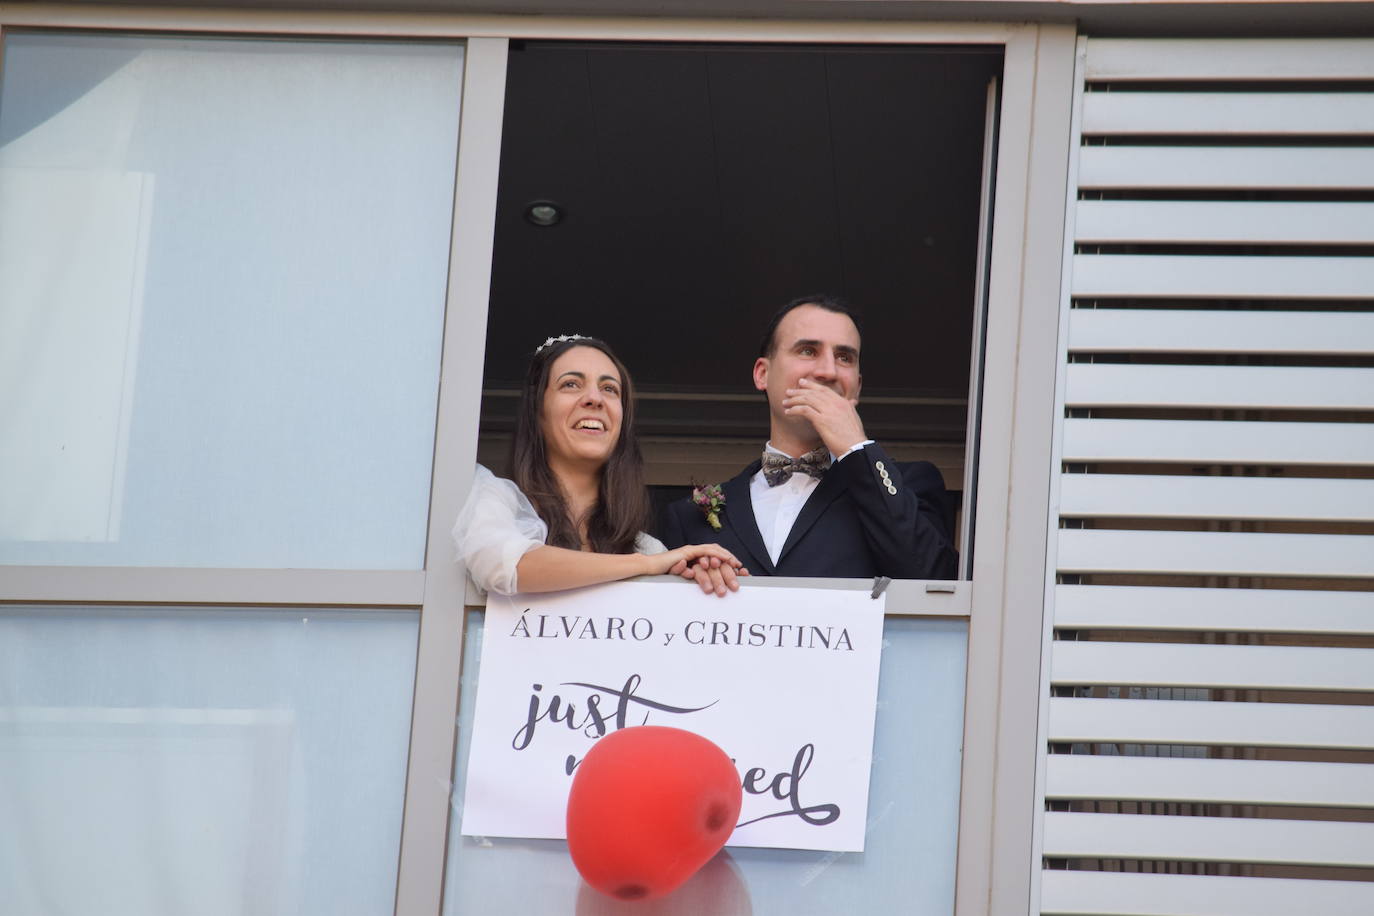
(560, 339)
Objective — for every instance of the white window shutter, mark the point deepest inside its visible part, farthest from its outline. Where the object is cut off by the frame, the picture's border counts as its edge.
(1209, 723)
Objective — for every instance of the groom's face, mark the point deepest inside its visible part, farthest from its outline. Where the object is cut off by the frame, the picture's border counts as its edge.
(815, 343)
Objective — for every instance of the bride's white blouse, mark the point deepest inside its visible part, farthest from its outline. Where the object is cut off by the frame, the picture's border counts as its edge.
(498, 526)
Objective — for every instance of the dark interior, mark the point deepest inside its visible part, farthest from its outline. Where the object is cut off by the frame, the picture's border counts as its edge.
(702, 186)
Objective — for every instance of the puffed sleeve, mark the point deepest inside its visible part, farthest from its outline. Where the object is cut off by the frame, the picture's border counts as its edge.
(648, 544)
(498, 526)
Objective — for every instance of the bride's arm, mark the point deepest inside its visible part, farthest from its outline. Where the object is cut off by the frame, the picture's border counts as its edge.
(500, 539)
(548, 569)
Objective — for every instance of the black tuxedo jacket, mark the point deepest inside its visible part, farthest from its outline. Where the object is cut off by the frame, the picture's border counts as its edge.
(869, 516)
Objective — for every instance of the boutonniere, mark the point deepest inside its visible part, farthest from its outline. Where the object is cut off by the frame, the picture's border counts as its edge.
(711, 501)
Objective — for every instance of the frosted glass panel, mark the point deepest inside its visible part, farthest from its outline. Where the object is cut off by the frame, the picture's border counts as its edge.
(188, 762)
(222, 276)
(913, 815)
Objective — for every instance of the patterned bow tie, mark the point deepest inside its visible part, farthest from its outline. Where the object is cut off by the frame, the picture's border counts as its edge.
(778, 468)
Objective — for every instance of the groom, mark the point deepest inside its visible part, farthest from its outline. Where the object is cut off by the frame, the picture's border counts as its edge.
(825, 500)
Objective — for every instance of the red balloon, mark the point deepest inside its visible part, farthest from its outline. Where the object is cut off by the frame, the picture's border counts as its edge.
(650, 805)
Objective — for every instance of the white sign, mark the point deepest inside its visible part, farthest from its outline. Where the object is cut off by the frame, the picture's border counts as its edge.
(784, 680)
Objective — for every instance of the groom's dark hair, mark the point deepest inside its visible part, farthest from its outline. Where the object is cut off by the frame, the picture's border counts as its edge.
(769, 345)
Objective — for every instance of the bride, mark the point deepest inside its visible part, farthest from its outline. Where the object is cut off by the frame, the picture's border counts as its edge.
(575, 510)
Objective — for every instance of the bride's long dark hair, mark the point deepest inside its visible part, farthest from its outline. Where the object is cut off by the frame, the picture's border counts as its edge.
(622, 508)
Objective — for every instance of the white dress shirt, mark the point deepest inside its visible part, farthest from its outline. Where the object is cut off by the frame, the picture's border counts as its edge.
(776, 508)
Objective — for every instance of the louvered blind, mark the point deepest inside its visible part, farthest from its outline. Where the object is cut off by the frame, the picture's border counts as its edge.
(1210, 728)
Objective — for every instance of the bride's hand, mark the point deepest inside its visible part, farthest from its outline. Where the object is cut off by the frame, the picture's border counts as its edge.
(711, 566)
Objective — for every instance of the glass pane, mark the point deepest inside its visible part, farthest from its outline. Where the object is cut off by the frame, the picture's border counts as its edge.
(175, 761)
(913, 815)
(222, 279)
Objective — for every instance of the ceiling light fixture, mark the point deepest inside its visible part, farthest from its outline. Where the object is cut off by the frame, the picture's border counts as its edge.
(543, 213)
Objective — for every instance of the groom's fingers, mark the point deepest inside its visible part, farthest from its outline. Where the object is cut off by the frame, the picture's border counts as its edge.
(703, 579)
(709, 580)
(727, 575)
(717, 575)
(834, 416)
(820, 399)
(714, 576)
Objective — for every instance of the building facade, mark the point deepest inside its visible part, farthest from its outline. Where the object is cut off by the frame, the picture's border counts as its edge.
(246, 282)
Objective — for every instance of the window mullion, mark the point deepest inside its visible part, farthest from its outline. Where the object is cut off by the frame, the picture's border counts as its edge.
(424, 831)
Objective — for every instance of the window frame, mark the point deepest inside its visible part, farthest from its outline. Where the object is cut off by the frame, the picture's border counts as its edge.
(1002, 601)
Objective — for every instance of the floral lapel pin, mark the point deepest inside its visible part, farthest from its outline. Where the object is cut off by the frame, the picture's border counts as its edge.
(711, 501)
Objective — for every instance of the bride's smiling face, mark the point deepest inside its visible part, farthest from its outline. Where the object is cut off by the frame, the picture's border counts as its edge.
(582, 409)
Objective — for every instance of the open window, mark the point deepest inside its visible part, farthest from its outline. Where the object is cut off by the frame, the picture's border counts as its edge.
(669, 197)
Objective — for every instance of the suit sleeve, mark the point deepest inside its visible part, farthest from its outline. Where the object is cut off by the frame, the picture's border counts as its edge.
(902, 509)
